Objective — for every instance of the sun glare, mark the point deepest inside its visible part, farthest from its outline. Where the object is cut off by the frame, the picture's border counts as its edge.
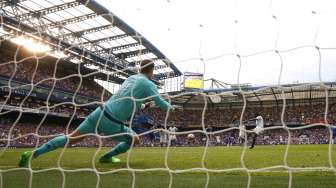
(31, 44)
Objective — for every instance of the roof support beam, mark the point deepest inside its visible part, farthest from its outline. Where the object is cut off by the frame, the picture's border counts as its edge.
(88, 31)
(133, 53)
(152, 59)
(310, 94)
(10, 2)
(293, 98)
(275, 97)
(157, 67)
(109, 50)
(71, 20)
(255, 94)
(45, 11)
(125, 46)
(162, 76)
(107, 39)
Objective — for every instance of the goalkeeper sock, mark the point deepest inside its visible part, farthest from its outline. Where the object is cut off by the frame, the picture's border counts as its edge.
(122, 147)
(53, 144)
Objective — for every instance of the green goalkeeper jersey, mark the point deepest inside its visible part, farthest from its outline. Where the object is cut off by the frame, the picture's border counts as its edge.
(133, 91)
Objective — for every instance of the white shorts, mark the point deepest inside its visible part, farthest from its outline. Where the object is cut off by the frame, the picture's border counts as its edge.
(172, 137)
(163, 138)
(242, 134)
(258, 130)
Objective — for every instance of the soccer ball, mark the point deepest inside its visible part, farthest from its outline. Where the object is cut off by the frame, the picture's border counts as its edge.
(191, 136)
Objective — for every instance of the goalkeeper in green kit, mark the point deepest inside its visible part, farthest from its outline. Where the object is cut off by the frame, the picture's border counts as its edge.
(111, 118)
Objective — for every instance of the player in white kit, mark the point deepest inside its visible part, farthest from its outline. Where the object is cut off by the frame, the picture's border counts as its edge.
(258, 130)
(163, 138)
(218, 140)
(172, 135)
(242, 134)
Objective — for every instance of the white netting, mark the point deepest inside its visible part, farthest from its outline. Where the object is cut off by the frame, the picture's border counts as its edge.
(32, 82)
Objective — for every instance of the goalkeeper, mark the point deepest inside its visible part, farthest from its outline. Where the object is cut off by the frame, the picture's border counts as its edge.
(111, 118)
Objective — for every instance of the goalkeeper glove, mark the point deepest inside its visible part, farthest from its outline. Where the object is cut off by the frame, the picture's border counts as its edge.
(147, 105)
(177, 107)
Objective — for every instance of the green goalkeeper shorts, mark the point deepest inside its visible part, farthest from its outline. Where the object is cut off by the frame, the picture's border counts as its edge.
(96, 122)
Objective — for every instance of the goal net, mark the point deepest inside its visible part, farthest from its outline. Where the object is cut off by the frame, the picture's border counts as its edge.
(62, 60)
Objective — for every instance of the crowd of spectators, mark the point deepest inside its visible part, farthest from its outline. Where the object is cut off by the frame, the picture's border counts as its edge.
(45, 74)
(298, 115)
(30, 134)
(22, 136)
(315, 135)
(64, 110)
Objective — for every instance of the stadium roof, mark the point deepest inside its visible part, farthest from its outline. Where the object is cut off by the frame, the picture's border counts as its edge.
(84, 31)
(260, 94)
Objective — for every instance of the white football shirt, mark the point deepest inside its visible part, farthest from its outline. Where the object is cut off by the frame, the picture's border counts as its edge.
(259, 122)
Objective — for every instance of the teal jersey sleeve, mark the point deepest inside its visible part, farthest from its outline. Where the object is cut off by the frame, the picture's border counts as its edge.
(128, 99)
(151, 90)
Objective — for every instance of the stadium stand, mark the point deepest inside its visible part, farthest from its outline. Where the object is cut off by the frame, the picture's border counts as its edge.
(294, 117)
(42, 74)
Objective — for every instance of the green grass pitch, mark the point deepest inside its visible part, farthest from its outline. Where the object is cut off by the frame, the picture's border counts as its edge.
(80, 159)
